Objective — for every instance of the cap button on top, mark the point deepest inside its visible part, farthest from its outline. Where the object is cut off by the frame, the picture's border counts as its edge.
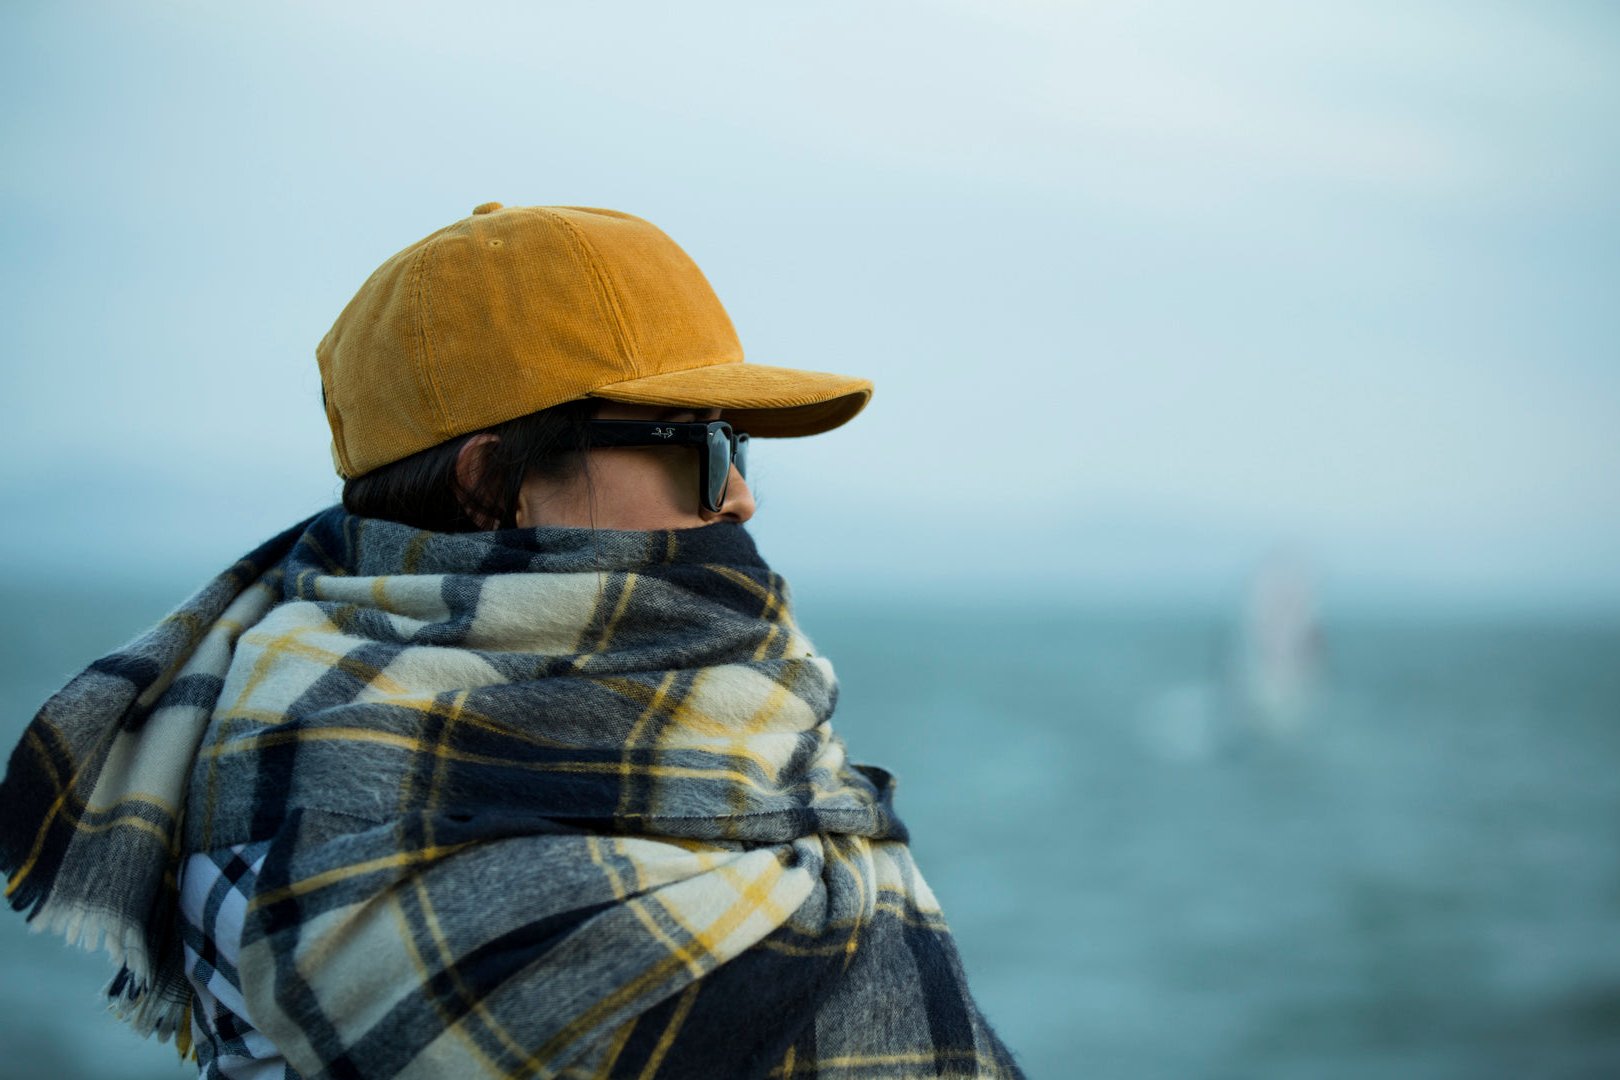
(486, 208)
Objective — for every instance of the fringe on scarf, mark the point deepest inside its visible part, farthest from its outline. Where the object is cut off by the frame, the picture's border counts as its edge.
(570, 788)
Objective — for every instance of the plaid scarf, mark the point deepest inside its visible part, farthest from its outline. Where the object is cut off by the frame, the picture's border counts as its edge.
(538, 802)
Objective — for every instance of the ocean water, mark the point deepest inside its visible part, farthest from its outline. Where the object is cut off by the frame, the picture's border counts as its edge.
(1417, 874)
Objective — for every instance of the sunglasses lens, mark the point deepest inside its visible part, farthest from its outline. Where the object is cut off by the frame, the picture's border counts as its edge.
(740, 459)
(719, 466)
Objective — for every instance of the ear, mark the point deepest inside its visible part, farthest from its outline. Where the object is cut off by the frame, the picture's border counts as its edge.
(471, 460)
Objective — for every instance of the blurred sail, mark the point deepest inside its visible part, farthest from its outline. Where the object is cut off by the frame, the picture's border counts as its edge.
(1279, 648)
(1263, 675)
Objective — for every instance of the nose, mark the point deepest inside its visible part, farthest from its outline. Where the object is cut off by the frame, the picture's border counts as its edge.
(739, 504)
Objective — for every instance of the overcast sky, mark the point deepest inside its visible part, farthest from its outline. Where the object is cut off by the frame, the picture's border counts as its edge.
(1146, 289)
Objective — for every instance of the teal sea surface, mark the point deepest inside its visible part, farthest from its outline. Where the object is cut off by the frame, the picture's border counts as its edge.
(1415, 874)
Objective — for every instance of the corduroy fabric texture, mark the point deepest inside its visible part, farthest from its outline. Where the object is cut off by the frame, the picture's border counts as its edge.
(538, 802)
(515, 309)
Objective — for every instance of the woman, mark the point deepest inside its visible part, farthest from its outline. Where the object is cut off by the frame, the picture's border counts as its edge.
(516, 763)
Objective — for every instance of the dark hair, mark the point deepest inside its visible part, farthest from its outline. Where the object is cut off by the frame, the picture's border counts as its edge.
(424, 492)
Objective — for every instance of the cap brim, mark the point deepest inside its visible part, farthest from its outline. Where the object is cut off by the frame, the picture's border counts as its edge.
(759, 399)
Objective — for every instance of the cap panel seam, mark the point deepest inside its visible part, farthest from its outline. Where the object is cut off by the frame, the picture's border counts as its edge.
(605, 293)
(424, 306)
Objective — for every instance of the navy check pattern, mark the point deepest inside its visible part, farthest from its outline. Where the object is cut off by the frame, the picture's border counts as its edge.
(545, 804)
(214, 894)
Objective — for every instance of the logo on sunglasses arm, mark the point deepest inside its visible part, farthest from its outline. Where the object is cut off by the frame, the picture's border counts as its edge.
(663, 432)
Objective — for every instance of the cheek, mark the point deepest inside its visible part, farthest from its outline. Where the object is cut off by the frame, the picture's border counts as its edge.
(647, 478)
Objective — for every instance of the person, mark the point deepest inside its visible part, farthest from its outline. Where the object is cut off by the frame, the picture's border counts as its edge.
(515, 762)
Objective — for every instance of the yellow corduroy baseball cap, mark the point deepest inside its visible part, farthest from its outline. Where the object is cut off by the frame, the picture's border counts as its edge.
(518, 308)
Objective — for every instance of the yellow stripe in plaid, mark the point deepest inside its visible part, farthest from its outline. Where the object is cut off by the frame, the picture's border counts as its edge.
(515, 791)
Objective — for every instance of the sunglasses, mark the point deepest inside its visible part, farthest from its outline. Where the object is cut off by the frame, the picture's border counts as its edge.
(718, 447)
